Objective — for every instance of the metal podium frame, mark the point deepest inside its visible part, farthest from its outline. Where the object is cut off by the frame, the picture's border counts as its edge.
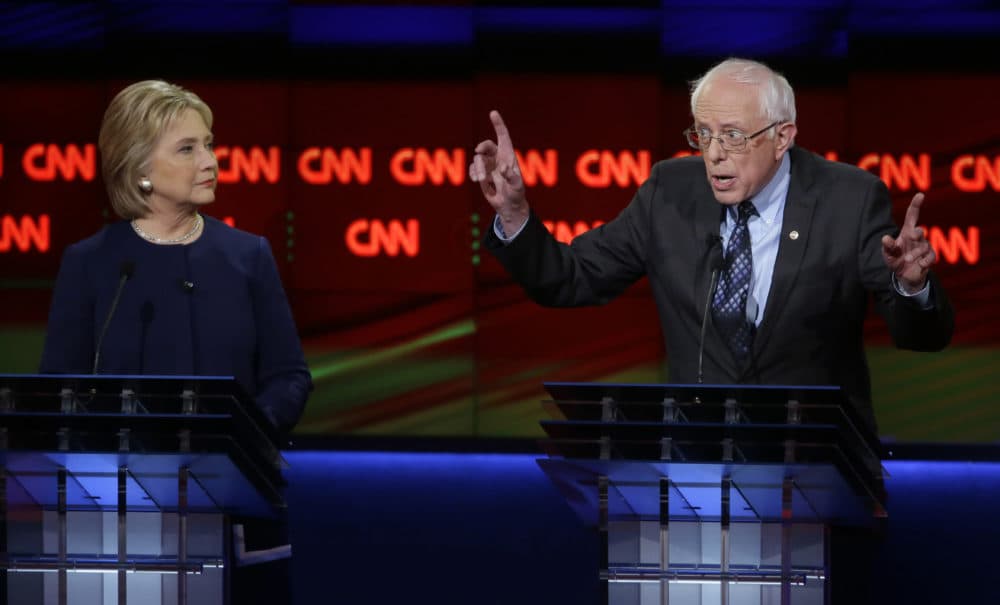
(79, 450)
(653, 465)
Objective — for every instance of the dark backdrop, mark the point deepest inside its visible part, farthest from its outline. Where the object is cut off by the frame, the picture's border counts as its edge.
(345, 129)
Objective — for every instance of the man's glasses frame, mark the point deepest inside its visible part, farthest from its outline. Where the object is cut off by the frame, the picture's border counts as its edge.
(730, 140)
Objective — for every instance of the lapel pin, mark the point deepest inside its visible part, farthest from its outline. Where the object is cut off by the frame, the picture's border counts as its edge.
(793, 235)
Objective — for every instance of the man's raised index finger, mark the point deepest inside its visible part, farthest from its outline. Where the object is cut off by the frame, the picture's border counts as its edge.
(501, 129)
(913, 211)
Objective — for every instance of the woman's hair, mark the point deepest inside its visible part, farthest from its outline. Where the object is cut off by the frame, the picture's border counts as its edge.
(132, 125)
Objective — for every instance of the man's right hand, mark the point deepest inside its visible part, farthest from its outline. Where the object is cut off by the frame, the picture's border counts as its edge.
(494, 166)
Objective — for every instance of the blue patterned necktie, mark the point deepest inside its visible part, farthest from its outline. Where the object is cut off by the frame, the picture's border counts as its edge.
(729, 305)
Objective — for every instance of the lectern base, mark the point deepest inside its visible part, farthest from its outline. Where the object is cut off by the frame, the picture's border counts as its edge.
(90, 570)
(696, 563)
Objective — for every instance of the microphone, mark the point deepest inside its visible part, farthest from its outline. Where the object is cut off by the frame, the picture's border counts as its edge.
(125, 272)
(714, 242)
(753, 309)
(187, 286)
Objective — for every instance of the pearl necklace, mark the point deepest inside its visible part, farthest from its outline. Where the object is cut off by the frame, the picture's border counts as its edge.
(198, 221)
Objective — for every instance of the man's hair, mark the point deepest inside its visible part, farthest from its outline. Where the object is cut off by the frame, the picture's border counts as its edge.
(133, 123)
(776, 96)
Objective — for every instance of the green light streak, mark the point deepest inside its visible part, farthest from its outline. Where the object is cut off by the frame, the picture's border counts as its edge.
(322, 371)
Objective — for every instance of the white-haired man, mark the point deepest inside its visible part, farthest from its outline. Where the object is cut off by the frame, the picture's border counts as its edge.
(782, 246)
(785, 246)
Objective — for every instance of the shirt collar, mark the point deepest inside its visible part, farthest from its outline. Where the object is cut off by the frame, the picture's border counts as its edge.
(770, 200)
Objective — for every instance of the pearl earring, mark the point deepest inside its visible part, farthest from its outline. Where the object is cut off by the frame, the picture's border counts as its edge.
(146, 185)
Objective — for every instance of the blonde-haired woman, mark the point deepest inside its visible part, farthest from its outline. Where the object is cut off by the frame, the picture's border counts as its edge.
(169, 291)
(180, 293)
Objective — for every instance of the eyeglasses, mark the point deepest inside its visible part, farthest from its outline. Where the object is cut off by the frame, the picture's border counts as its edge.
(730, 140)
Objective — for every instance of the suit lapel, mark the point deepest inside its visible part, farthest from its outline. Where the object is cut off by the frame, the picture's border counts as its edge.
(795, 232)
(707, 216)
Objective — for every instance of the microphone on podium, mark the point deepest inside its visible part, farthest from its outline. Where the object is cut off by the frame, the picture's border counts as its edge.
(715, 261)
(125, 272)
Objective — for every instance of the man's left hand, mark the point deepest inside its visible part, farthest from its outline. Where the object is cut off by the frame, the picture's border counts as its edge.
(910, 255)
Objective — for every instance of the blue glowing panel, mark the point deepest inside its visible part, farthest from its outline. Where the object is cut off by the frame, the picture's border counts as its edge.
(381, 25)
(948, 20)
(565, 20)
(227, 17)
(97, 476)
(459, 522)
(912, 6)
(946, 480)
(49, 25)
(755, 32)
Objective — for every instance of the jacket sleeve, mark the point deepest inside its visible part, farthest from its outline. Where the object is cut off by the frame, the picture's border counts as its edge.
(283, 379)
(910, 325)
(597, 266)
(69, 337)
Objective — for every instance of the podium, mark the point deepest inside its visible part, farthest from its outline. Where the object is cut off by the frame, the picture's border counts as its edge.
(122, 488)
(712, 494)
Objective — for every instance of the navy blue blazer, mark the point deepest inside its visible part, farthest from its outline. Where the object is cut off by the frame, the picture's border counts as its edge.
(214, 307)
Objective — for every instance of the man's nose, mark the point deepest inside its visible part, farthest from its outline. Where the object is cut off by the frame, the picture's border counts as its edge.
(714, 151)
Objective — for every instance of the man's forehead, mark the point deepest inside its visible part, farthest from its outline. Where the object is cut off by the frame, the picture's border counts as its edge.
(725, 116)
(729, 103)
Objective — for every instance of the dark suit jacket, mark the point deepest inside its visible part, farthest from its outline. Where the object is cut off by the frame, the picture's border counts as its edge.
(235, 321)
(829, 262)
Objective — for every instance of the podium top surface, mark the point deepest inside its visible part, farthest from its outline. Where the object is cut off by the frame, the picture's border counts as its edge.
(705, 393)
(102, 393)
(761, 434)
(90, 425)
(145, 384)
(630, 422)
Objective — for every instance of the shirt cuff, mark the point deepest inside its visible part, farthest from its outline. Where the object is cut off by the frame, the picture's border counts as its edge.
(498, 230)
(922, 297)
